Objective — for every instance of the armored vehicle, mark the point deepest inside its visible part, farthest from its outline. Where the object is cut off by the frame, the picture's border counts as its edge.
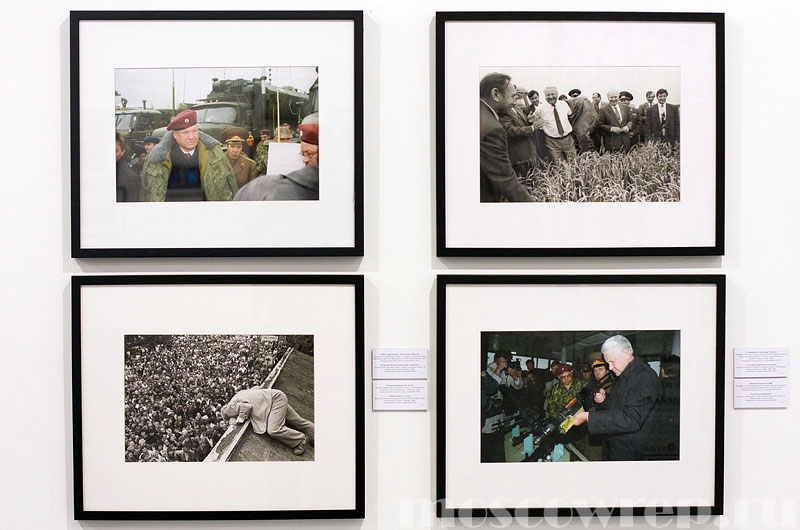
(253, 105)
(135, 124)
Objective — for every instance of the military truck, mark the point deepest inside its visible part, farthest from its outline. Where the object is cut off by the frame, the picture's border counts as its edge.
(252, 105)
(135, 124)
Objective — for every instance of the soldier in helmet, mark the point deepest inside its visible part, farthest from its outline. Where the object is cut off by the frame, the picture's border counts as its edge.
(284, 133)
(244, 168)
(187, 165)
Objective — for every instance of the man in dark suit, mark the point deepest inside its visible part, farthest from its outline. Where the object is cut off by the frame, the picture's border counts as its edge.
(498, 180)
(520, 133)
(597, 137)
(641, 127)
(664, 121)
(538, 137)
(583, 119)
(630, 412)
(615, 123)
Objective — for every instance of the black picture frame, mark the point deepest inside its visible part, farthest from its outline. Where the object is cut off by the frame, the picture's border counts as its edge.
(80, 248)
(505, 290)
(84, 374)
(468, 245)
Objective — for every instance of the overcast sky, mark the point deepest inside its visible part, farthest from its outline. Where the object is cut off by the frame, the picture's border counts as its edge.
(635, 79)
(191, 84)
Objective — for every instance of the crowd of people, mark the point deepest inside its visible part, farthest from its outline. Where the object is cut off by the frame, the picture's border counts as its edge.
(629, 412)
(176, 386)
(521, 130)
(188, 165)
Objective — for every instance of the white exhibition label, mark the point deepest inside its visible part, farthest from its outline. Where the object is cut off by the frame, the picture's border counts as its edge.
(772, 393)
(400, 395)
(399, 363)
(760, 362)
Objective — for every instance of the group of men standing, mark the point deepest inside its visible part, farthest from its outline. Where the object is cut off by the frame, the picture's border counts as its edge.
(519, 133)
(188, 165)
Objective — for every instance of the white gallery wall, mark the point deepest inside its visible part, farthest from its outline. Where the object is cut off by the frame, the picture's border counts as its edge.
(761, 258)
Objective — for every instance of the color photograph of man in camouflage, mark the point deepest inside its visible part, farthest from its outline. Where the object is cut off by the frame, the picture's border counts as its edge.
(187, 165)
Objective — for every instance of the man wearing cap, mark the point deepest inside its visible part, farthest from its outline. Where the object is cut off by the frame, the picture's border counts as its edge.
(300, 185)
(583, 119)
(262, 151)
(603, 378)
(269, 412)
(625, 98)
(498, 180)
(631, 410)
(615, 124)
(564, 390)
(148, 143)
(557, 128)
(664, 120)
(244, 168)
(187, 165)
(520, 133)
(284, 134)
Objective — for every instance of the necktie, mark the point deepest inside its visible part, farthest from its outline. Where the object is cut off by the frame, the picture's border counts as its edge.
(558, 122)
(188, 156)
(619, 116)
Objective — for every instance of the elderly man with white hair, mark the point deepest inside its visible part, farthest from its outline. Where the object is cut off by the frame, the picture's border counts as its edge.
(630, 412)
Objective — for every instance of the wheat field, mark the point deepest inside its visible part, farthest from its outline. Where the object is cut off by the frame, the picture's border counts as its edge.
(648, 173)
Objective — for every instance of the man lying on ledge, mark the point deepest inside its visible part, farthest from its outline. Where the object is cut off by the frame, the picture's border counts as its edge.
(269, 411)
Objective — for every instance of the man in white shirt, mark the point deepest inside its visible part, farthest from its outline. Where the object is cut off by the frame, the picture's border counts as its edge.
(557, 129)
(663, 120)
(501, 371)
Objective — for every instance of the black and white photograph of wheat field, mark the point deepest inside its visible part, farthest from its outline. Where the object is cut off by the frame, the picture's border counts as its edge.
(580, 134)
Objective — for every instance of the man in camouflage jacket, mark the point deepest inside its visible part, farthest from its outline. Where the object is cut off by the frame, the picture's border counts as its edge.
(216, 177)
(564, 390)
(262, 152)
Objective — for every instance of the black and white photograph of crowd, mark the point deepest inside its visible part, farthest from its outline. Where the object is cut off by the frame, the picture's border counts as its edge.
(580, 134)
(183, 392)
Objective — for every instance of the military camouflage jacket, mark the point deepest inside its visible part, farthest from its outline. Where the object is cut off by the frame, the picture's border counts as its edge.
(216, 175)
(559, 395)
(262, 156)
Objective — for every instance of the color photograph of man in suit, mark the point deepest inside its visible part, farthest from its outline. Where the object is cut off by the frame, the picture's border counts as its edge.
(664, 121)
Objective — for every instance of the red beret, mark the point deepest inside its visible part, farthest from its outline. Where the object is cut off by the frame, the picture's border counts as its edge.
(309, 129)
(309, 133)
(563, 368)
(183, 120)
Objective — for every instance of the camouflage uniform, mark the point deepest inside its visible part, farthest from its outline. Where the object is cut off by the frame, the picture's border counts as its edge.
(559, 395)
(216, 175)
(244, 168)
(262, 155)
